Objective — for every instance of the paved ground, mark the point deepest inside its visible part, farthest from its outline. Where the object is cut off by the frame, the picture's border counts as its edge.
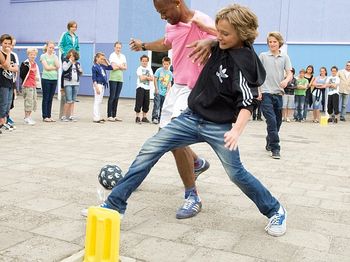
(48, 173)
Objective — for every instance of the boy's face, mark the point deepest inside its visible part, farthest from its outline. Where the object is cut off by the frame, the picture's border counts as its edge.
(273, 44)
(144, 62)
(31, 56)
(227, 35)
(334, 72)
(166, 65)
(6, 44)
(117, 48)
(168, 10)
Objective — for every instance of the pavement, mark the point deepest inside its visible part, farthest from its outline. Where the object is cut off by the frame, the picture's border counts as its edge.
(48, 173)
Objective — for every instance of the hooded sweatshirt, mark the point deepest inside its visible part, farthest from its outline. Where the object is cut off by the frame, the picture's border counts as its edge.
(228, 83)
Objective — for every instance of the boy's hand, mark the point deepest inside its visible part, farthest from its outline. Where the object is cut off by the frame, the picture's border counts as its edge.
(231, 139)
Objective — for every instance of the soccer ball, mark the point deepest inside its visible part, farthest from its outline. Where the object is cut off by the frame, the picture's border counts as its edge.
(109, 176)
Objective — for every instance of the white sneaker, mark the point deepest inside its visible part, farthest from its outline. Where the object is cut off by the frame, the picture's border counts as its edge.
(277, 225)
(29, 121)
(111, 119)
(72, 119)
(64, 119)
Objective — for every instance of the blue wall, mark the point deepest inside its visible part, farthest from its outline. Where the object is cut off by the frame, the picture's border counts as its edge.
(313, 30)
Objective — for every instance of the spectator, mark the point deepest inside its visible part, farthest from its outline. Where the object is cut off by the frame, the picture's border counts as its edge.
(115, 81)
(344, 89)
(300, 93)
(318, 84)
(288, 99)
(309, 76)
(162, 83)
(30, 76)
(144, 78)
(333, 95)
(49, 79)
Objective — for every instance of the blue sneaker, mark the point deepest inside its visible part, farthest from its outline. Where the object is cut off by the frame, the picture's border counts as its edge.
(277, 225)
(199, 170)
(190, 208)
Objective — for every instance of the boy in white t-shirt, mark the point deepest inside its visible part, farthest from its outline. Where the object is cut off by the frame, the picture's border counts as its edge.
(144, 78)
(333, 95)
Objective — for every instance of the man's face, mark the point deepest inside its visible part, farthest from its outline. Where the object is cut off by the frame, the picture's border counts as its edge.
(169, 10)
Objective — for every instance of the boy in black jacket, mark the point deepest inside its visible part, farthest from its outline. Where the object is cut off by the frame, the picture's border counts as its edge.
(220, 106)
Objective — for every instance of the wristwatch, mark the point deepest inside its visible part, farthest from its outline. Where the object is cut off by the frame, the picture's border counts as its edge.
(143, 47)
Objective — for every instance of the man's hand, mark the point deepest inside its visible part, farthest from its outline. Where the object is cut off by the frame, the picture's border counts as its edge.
(135, 44)
(201, 50)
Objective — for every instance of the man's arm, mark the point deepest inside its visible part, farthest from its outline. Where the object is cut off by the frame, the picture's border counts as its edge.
(158, 45)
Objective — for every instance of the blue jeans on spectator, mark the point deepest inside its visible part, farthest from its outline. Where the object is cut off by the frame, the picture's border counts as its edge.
(6, 94)
(271, 107)
(115, 88)
(190, 128)
(48, 89)
(71, 92)
(158, 102)
(344, 102)
(299, 107)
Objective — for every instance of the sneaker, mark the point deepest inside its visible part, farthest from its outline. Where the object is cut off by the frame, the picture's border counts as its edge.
(118, 119)
(84, 212)
(335, 120)
(111, 119)
(137, 120)
(277, 225)
(99, 121)
(276, 154)
(199, 170)
(288, 120)
(330, 120)
(7, 127)
(342, 119)
(145, 120)
(155, 121)
(64, 119)
(190, 208)
(10, 121)
(72, 119)
(29, 121)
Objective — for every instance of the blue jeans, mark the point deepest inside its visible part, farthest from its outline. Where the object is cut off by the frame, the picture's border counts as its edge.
(299, 106)
(6, 94)
(158, 102)
(344, 102)
(48, 89)
(271, 106)
(71, 93)
(115, 87)
(190, 128)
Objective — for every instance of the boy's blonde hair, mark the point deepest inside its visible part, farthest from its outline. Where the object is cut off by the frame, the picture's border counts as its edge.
(278, 37)
(242, 19)
(32, 50)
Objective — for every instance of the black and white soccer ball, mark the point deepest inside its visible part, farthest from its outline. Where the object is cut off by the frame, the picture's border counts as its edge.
(109, 176)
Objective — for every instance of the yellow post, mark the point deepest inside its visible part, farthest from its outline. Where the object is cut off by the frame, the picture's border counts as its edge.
(102, 235)
(324, 121)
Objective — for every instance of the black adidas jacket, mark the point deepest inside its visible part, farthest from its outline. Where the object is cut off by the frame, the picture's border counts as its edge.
(228, 82)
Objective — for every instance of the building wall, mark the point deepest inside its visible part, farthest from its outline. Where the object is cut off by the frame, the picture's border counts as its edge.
(313, 30)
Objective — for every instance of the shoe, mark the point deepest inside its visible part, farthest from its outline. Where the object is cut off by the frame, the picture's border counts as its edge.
(64, 119)
(12, 125)
(137, 120)
(276, 154)
(267, 147)
(204, 167)
(10, 121)
(277, 225)
(288, 120)
(7, 127)
(155, 121)
(29, 121)
(48, 120)
(342, 119)
(84, 212)
(335, 120)
(72, 119)
(259, 119)
(99, 121)
(190, 208)
(145, 120)
(330, 120)
(118, 119)
(111, 119)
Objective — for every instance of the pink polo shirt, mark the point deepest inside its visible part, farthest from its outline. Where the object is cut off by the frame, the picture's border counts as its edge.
(180, 35)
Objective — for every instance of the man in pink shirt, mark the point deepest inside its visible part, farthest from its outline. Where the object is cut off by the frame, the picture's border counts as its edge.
(181, 31)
